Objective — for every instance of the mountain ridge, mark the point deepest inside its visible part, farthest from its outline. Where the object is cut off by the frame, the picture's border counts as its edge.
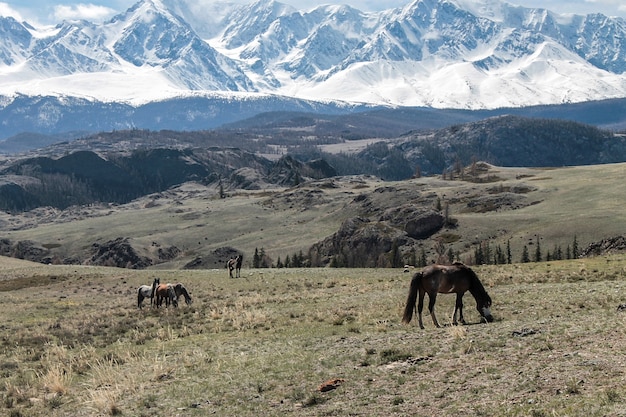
(438, 54)
(433, 53)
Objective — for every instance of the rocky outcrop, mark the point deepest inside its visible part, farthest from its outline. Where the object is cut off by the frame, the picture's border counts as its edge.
(417, 222)
(118, 253)
(290, 171)
(616, 244)
(363, 242)
(24, 249)
(214, 259)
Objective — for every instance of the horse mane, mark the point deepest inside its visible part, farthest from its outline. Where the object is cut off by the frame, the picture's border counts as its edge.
(476, 287)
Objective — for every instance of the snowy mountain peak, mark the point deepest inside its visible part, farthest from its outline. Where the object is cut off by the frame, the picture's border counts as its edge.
(440, 53)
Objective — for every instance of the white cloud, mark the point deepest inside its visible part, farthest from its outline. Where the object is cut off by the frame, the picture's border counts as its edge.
(91, 12)
(6, 10)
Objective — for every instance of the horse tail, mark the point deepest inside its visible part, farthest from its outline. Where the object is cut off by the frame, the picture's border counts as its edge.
(412, 298)
(139, 298)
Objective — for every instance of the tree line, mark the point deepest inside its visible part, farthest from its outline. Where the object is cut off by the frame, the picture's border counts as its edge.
(485, 253)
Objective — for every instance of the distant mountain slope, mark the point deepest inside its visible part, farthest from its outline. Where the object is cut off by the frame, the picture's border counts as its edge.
(86, 177)
(123, 165)
(76, 118)
(431, 53)
(513, 141)
(55, 115)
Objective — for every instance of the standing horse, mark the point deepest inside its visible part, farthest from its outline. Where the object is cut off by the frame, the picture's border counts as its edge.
(166, 292)
(179, 289)
(446, 279)
(146, 291)
(235, 263)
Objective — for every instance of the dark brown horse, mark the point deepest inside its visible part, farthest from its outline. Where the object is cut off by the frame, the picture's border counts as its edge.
(180, 290)
(235, 264)
(446, 279)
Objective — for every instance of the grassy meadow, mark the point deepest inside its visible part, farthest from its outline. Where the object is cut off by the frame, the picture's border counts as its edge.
(74, 343)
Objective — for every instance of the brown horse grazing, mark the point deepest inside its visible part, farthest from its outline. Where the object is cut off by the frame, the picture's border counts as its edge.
(446, 279)
(235, 264)
(166, 292)
(179, 289)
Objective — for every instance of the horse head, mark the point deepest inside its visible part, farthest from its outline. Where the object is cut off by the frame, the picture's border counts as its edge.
(484, 308)
(181, 290)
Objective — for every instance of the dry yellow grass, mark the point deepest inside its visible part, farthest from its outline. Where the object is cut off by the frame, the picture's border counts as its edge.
(262, 344)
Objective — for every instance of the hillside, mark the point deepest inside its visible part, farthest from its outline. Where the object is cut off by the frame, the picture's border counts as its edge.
(286, 149)
(190, 223)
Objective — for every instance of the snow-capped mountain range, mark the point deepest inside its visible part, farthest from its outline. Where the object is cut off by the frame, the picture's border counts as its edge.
(435, 53)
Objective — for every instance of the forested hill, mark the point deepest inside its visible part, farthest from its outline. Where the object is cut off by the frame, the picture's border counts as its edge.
(513, 141)
(122, 165)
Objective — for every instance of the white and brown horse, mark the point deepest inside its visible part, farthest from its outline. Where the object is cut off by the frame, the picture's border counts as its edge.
(147, 291)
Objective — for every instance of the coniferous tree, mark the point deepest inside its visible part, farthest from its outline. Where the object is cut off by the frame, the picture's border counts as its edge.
(575, 248)
(479, 256)
(423, 261)
(394, 257)
(300, 259)
(263, 259)
(255, 259)
(537, 252)
(509, 257)
(487, 253)
(525, 257)
(222, 194)
(499, 257)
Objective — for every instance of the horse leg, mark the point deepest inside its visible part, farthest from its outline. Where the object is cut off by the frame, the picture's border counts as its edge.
(420, 307)
(432, 297)
(459, 307)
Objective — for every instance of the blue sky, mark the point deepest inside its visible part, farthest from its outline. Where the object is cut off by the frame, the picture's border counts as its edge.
(55, 11)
